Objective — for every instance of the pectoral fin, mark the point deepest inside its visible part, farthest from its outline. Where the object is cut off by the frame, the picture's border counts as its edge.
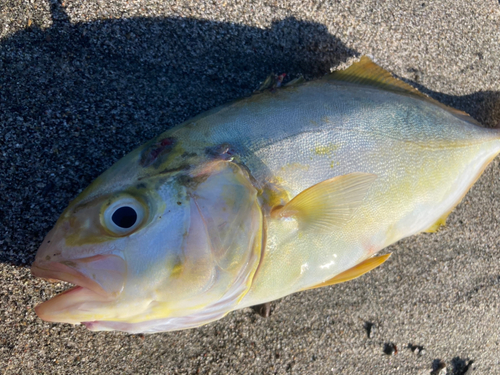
(329, 204)
(355, 271)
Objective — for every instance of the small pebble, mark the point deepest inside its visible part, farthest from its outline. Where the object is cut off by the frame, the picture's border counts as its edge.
(418, 350)
(440, 369)
(371, 329)
(390, 349)
(372, 332)
(468, 368)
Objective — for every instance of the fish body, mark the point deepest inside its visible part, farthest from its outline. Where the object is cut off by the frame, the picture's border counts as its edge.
(234, 207)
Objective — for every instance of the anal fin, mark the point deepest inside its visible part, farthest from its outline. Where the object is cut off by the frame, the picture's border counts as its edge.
(354, 272)
(441, 222)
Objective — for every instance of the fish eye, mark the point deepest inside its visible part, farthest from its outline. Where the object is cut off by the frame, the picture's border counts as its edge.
(123, 216)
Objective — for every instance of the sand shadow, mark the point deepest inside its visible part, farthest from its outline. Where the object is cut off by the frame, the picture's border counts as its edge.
(74, 98)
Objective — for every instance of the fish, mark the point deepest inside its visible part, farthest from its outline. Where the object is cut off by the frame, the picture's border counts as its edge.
(290, 189)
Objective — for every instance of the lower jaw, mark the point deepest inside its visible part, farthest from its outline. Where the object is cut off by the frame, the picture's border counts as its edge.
(74, 306)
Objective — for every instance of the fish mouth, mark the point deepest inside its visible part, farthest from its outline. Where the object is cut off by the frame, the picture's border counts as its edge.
(100, 278)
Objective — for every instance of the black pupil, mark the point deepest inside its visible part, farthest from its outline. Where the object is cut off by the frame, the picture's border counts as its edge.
(124, 217)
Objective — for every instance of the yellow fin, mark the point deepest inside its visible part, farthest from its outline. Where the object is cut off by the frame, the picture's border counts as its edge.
(328, 204)
(438, 224)
(354, 272)
(366, 72)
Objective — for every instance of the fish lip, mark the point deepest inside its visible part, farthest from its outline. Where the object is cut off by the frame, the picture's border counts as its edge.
(70, 306)
(57, 271)
(68, 271)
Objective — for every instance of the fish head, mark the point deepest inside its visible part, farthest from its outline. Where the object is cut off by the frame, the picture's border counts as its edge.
(154, 246)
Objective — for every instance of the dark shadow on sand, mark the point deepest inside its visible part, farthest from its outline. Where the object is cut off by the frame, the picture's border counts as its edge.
(74, 98)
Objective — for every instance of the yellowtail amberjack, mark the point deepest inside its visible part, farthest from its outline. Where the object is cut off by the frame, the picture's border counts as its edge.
(287, 190)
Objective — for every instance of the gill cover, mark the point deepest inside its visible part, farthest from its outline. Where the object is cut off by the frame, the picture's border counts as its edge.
(222, 246)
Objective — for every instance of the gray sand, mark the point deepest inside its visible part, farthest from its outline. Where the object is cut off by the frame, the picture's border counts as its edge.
(84, 82)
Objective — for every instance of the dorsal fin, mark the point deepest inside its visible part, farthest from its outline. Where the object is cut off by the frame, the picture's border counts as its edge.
(366, 72)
